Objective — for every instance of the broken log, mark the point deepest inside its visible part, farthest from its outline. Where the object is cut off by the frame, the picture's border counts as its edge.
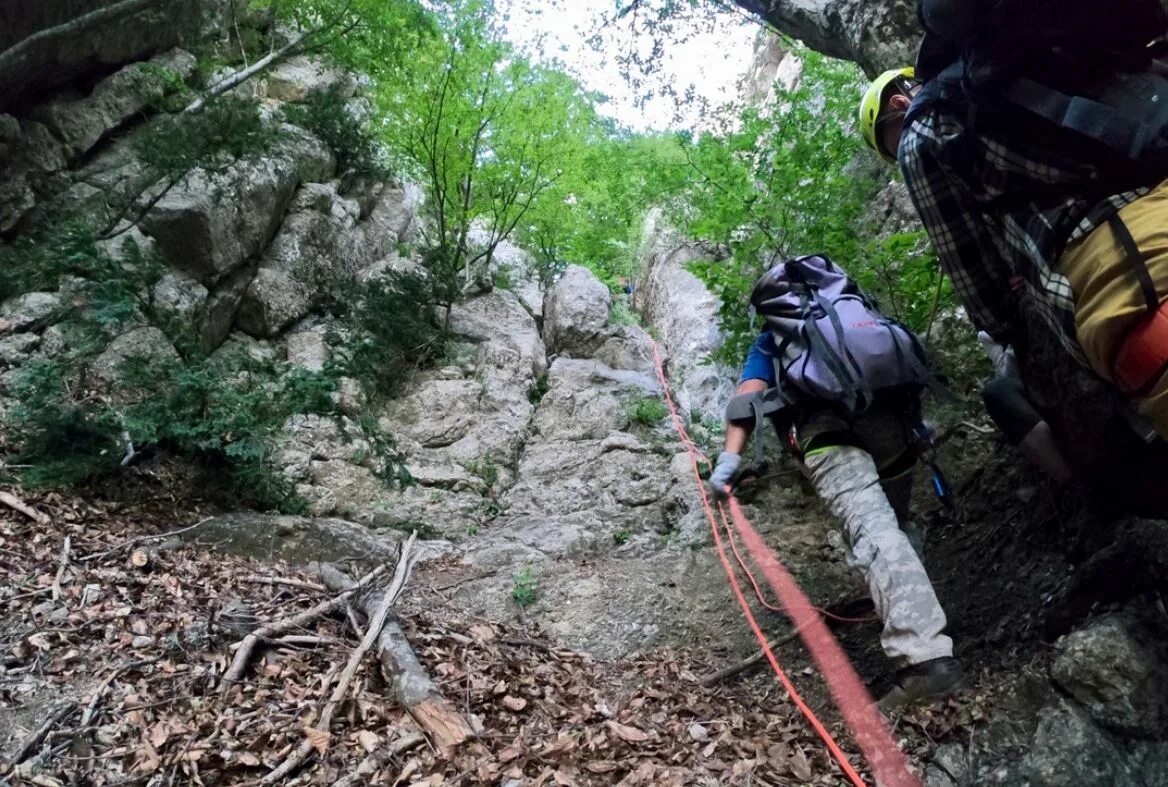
(411, 686)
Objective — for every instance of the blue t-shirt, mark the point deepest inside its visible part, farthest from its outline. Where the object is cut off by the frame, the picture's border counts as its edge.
(760, 361)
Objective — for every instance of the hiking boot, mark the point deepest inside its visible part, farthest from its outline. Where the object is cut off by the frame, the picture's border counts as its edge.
(923, 683)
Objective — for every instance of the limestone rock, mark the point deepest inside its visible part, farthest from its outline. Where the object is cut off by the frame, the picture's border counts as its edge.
(211, 222)
(297, 78)
(627, 347)
(16, 349)
(307, 348)
(498, 318)
(147, 343)
(685, 316)
(315, 247)
(1069, 751)
(181, 302)
(80, 50)
(877, 35)
(28, 312)
(576, 311)
(81, 122)
(585, 399)
(299, 540)
(1120, 681)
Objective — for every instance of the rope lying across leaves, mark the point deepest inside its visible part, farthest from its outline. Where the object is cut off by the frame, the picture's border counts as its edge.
(888, 763)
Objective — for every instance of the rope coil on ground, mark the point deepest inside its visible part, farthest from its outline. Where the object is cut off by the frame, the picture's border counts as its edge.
(888, 763)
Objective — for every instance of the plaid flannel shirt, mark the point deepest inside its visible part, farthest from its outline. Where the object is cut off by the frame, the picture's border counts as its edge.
(999, 211)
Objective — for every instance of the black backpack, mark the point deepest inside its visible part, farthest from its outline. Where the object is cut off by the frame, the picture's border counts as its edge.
(1084, 70)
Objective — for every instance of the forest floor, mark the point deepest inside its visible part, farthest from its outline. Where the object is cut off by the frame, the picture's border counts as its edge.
(114, 642)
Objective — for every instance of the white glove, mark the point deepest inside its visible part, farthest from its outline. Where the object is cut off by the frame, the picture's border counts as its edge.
(1000, 355)
(723, 471)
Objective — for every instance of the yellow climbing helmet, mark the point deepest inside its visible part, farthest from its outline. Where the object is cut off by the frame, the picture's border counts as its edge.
(871, 104)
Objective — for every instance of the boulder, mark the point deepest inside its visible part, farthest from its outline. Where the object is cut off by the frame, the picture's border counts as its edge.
(1068, 750)
(298, 540)
(16, 349)
(297, 78)
(497, 318)
(576, 312)
(29, 312)
(181, 305)
(211, 222)
(315, 247)
(147, 343)
(66, 47)
(1120, 682)
(80, 123)
(627, 347)
(306, 347)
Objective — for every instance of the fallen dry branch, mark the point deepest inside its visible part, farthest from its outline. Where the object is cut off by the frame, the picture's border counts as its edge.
(142, 540)
(63, 564)
(380, 758)
(372, 632)
(746, 664)
(16, 504)
(280, 627)
(411, 685)
(256, 579)
(55, 717)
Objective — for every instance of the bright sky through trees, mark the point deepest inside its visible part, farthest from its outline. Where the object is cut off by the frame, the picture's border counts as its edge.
(712, 61)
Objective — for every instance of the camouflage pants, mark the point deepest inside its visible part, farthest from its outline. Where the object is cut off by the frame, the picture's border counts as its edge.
(847, 480)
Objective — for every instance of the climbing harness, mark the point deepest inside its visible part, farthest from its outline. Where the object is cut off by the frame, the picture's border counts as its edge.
(888, 763)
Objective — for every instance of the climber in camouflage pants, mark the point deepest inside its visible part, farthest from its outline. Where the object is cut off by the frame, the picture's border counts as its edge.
(862, 468)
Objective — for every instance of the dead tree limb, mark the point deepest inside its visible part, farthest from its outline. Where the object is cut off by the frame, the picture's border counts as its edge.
(380, 758)
(376, 620)
(412, 688)
(16, 504)
(55, 716)
(273, 630)
(746, 664)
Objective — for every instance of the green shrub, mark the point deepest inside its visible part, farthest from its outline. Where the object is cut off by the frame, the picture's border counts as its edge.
(646, 410)
(524, 587)
(391, 327)
(329, 116)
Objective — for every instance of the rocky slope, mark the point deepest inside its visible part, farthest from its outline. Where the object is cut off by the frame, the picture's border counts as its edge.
(544, 469)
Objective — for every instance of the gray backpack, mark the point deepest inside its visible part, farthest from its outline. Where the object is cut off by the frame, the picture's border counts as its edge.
(833, 344)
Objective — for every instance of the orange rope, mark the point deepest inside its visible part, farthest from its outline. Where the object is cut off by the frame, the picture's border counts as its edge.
(758, 591)
(887, 761)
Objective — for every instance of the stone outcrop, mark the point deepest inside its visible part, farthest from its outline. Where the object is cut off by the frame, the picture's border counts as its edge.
(684, 314)
(1120, 681)
(877, 35)
(211, 222)
(46, 44)
(576, 311)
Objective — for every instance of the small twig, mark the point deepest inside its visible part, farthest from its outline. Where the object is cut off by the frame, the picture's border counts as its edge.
(464, 580)
(746, 664)
(142, 540)
(380, 758)
(91, 707)
(64, 564)
(295, 583)
(60, 712)
(16, 504)
(372, 631)
(273, 630)
(304, 639)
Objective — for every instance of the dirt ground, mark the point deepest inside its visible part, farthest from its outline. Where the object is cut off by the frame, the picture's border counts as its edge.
(125, 662)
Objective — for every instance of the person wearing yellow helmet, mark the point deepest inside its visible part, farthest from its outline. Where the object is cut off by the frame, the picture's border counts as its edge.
(1016, 219)
(878, 115)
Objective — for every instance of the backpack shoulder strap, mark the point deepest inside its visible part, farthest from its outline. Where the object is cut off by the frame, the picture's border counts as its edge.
(1125, 135)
